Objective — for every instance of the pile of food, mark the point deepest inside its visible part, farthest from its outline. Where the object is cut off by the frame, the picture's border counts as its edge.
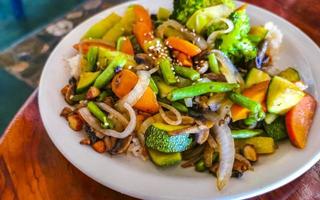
(192, 86)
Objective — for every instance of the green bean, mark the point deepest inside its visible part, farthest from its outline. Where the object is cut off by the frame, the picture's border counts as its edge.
(103, 95)
(253, 106)
(200, 167)
(102, 117)
(153, 86)
(79, 97)
(200, 89)
(187, 72)
(244, 101)
(105, 77)
(213, 63)
(245, 133)
(167, 71)
(179, 106)
(92, 57)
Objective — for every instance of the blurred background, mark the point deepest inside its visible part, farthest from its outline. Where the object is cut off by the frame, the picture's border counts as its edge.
(29, 30)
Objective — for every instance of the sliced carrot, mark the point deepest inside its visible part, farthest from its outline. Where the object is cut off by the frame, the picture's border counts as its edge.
(126, 46)
(256, 93)
(183, 46)
(142, 33)
(125, 81)
(84, 45)
(184, 59)
(142, 15)
(299, 120)
(142, 28)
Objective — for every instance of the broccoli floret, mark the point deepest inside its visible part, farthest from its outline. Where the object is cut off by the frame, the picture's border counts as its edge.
(236, 43)
(183, 9)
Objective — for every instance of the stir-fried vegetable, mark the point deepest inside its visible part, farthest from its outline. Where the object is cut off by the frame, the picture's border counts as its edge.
(171, 87)
(199, 89)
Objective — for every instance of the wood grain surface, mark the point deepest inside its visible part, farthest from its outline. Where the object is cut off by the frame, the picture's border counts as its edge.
(32, 168)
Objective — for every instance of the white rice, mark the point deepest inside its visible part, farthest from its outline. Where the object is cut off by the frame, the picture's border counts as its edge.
(73, 64)
(274, 37)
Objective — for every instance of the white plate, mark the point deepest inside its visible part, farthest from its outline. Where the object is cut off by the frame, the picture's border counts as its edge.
(142, 179)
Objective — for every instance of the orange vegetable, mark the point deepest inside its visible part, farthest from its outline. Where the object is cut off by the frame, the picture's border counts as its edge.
(256, 93)
(126, 47)
(142, 28)
(299, 120)
(184, 59)
(84, 45)
(183, 46)
(125, 81)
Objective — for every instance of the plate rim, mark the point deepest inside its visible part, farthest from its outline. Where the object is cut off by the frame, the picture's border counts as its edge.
(244, 195)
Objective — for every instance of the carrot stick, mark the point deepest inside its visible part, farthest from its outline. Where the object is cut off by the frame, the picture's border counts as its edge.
(183, 46)
(125, 81)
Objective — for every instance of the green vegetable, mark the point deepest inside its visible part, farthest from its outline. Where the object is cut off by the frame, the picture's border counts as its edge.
(163, 14)
(102, 117)
(106, 56)
(290, 74)
(103, 95)
(105, 77)
(86, 80)
(119, 42)
(100, 28)
(158, 139)
(255, 108)
(262, 145)
(200, 89)
(183, 82)
(79, 97)
(282, 95)
(153, 86)
(204, 17)
(277, 129)
(236, 44)
(164, 159)
(167, 71)
(171, 32)
(270, 117)
(183, 9)
(187, 72)
(213, 63)
(179, 106)
(200, 166)
(164, 89)
(121, 27)
(135, 44)
(255, 76)
(257, 33)
(246, 133)
(92, 57)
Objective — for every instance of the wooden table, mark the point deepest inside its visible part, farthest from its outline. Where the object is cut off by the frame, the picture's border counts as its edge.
(32, 168)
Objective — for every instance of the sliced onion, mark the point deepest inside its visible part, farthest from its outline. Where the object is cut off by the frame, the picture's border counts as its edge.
(188, 102)
(193, 37)
(114, 113)
(228, 69)
(189, 130)
(212, 37)
(94, 123)
(226, 153)
(214, 101)
(221, 114)
(174, 111)
(137, 92)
